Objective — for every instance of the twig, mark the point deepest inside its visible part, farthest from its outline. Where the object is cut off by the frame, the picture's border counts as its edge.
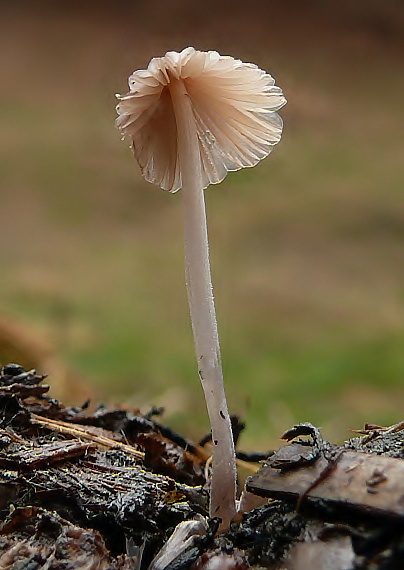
(82, 432)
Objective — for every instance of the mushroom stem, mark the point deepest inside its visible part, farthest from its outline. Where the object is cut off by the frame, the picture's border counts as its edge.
(202, 308)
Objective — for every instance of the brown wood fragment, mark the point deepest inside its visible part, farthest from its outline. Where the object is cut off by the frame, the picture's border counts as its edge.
(11, 435)
(30, 536)
(37, 457)
(24, 390)
(363, 481)
(82, 432)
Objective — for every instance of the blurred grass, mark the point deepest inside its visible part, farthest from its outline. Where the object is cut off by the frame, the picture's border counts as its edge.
(307, 248)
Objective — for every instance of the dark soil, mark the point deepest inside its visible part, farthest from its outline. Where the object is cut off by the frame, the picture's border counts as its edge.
(105, 490)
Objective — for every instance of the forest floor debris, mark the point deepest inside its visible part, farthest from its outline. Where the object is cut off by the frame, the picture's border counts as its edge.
(106, 488)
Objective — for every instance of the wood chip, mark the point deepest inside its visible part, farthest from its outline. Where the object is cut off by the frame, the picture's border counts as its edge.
(362, 481)
(38, 457)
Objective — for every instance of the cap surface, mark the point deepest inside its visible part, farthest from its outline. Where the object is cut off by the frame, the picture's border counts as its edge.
(234, 105)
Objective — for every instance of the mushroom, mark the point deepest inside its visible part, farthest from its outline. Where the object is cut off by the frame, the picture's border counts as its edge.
(191, 117)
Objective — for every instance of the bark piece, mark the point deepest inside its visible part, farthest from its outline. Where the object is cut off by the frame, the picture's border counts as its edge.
(351, 479)
(37, 457)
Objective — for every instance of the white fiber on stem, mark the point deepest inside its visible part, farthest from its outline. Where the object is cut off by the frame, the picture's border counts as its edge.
(202, 308)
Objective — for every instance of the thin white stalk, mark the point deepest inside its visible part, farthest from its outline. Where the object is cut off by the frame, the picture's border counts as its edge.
(202, 308)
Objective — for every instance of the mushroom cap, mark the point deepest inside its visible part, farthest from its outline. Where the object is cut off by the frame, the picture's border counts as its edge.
(234, 105)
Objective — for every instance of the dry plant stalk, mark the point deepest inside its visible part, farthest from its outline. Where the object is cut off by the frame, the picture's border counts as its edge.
(85, 432)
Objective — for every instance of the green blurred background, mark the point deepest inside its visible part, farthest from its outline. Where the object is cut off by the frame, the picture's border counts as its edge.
(307, 248)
